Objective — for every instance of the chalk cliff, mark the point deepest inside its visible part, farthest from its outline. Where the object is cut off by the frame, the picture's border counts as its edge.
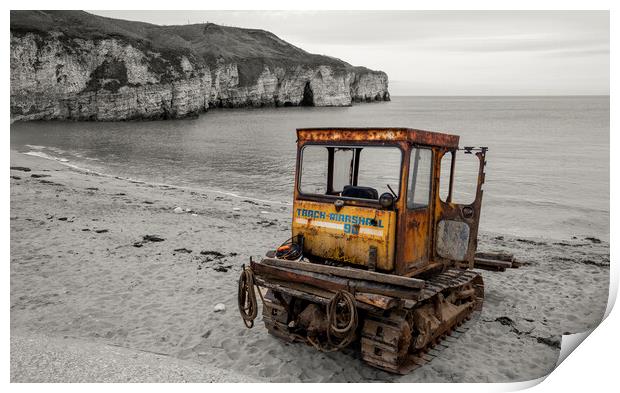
(74, 65)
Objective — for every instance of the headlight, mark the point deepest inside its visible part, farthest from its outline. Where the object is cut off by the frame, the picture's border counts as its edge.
(386, 200)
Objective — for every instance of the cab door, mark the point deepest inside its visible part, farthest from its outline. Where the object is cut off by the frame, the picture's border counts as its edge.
(456, 234)
(416, 224)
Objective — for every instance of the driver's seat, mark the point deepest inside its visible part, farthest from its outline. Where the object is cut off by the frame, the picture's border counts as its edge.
(360, 192)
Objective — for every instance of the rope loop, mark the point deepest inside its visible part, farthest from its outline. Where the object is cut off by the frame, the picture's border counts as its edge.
(246, 297)
(342, 321)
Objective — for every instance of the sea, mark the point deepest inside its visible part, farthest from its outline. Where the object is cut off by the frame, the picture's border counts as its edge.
(547, 173)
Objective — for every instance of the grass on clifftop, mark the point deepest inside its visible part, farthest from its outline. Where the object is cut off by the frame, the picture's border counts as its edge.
(251, 49)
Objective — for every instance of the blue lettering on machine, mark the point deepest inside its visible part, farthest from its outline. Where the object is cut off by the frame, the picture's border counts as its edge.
(351, 223)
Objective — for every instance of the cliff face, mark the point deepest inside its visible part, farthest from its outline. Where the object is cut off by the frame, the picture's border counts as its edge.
(58, 74)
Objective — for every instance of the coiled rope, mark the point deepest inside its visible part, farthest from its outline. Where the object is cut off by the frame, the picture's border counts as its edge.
(246, 297)
(340, 333)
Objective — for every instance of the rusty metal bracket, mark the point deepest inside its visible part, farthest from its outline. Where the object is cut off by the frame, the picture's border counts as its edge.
(372, 258)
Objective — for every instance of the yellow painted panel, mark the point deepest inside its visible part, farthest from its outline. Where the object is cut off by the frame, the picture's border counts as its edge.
(347, 234)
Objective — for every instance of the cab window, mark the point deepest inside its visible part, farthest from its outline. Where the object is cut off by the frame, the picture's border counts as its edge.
(350, 171)
(314, 170)
(420, 171)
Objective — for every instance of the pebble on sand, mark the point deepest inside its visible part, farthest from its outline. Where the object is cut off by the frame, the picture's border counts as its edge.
(178, 210)
(219, 307)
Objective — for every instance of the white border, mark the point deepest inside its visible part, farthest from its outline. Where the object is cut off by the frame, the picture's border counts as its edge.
(593, 366)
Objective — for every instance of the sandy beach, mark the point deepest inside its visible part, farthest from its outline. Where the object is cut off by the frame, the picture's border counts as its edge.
(108, 262)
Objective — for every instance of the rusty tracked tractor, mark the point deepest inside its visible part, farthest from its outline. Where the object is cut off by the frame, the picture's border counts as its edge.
(377, 258)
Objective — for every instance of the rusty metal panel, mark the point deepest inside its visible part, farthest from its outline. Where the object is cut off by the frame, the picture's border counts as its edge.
(416, 239)
(452, 239)
(338, 135)
(347, 234)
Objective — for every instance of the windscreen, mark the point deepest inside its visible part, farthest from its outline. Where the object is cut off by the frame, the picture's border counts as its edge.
(350, 171)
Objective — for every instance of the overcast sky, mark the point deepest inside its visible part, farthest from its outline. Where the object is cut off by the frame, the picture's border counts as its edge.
(441, 52)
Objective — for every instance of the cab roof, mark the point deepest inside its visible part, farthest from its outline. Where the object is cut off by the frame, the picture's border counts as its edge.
(374, 134)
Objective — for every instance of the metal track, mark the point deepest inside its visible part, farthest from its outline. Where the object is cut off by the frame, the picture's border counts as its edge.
(385, 341)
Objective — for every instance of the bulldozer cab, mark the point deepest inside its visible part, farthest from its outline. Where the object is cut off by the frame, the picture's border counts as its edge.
(370, 197)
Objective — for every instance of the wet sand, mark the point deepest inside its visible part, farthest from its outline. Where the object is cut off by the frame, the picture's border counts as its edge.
(107, 261)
